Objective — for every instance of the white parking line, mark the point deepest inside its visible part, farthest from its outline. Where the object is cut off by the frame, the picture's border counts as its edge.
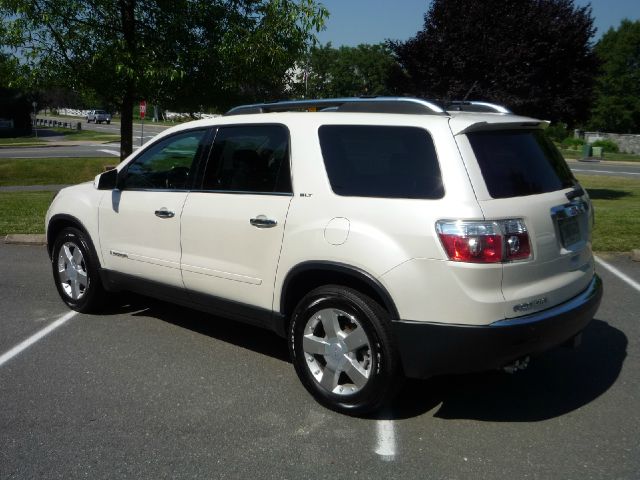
(619, 274)
(34, 338)
(605, 171)
(386, 434)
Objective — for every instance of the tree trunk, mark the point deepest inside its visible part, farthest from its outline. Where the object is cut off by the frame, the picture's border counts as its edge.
(127, 13)
(126, 123)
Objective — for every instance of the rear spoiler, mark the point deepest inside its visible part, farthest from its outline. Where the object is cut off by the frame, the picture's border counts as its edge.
(461, 125)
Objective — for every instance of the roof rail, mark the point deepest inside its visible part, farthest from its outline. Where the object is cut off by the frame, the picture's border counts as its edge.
(355, 104)
(474, 106)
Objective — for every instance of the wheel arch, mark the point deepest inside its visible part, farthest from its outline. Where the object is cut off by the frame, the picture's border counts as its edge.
(59, 222)
(306, 276)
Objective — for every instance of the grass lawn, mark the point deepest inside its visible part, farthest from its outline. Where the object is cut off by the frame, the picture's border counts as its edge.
(617, 207)
(51, 171)
(616, 199)
(23, 212)
(69, 135)
(87, 135)
(21, 142)
(619, 157)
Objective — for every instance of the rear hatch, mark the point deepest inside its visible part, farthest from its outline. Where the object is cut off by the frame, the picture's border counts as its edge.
(519, 174)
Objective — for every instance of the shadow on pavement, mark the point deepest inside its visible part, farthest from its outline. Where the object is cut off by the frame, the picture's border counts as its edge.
(245, 336)
(555, 383)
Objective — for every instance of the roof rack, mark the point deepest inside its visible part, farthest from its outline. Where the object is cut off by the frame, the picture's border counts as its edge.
(405, 105)
(355, 104)
(474, 106)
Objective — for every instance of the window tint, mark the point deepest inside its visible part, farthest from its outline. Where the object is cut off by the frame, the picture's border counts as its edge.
(166, 164)
(252, 158)
(381, 161)
(516, 163)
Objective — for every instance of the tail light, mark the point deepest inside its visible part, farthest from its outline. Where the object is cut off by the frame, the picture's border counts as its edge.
(484, 241)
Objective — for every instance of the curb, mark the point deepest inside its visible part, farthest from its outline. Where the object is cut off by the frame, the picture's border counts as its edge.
(635, 255)
(26, 239)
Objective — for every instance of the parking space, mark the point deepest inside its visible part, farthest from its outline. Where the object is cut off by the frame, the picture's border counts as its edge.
(148, 390)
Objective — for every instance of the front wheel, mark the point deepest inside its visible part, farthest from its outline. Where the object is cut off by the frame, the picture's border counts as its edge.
(75, 271)
(343, 350)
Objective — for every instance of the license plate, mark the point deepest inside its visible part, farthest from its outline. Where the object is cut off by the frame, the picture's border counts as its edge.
(569, 230)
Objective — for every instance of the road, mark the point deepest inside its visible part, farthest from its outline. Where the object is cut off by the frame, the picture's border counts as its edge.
(148, 390)
(148, 130)
(615, 169)
(61, 151)
(629, 170)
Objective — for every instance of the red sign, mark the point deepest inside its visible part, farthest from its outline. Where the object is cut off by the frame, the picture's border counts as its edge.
(143, 108)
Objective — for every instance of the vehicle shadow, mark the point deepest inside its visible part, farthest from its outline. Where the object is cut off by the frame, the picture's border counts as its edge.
(252, 338)
(606, 194)
(555, 383)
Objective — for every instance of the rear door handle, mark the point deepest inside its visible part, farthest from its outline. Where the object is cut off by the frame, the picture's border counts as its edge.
(164, 213)
(261, 221)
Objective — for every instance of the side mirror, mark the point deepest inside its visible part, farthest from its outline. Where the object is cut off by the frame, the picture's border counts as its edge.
(108, 180)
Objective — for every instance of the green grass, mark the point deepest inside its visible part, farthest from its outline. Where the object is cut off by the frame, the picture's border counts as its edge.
(616, 199)
(88, 135)
(23, 212)
(51, 171)
(617, 209)
(69, 135)
(21, 142)
(619, 157)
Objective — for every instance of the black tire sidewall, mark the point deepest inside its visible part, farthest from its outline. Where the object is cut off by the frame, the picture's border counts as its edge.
(92, 295)
(371, 318)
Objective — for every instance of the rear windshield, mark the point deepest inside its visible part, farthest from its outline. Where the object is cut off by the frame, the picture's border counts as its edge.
(516, 163)
(381, 161)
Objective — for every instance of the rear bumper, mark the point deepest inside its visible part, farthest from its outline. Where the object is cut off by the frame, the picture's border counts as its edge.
(428, 349)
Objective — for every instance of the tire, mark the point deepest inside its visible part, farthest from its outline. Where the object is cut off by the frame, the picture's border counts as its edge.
(75, 271)
(343, 350)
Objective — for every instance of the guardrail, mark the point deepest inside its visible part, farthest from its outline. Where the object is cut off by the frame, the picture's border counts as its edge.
(48, 122)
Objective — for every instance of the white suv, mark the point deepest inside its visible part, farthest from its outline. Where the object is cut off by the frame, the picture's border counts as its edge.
(381, 236)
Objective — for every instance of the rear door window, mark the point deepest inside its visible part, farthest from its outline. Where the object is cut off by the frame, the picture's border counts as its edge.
(517, 163)
(381, 161)
(251, 159)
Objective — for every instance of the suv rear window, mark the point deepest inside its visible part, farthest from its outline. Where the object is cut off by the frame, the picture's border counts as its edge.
(381, 161)
(516, 163)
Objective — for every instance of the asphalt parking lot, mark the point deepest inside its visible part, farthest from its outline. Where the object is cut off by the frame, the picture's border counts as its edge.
(148, 390)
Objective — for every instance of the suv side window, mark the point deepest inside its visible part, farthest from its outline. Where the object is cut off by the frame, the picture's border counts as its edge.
(381, 161)
(167, 164)
(249, 158)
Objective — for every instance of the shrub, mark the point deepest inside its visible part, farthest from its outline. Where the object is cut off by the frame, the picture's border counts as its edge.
(557, 132)
(607, 145)
(572, 143)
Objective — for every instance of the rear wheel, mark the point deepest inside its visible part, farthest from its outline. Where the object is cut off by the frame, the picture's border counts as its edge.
(75, 271)
(343, 350)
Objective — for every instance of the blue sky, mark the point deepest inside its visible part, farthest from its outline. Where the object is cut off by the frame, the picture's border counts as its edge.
(373, 21)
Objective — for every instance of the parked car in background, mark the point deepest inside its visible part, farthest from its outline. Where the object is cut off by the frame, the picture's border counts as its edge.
(98, 116)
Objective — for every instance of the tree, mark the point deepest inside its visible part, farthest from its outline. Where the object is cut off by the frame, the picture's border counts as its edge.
(348, 71)
(533, 56)
(190, 52)
(617, 95)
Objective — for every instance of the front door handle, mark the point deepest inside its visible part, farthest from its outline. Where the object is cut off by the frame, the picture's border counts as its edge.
(164, 213)
(261, 221)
